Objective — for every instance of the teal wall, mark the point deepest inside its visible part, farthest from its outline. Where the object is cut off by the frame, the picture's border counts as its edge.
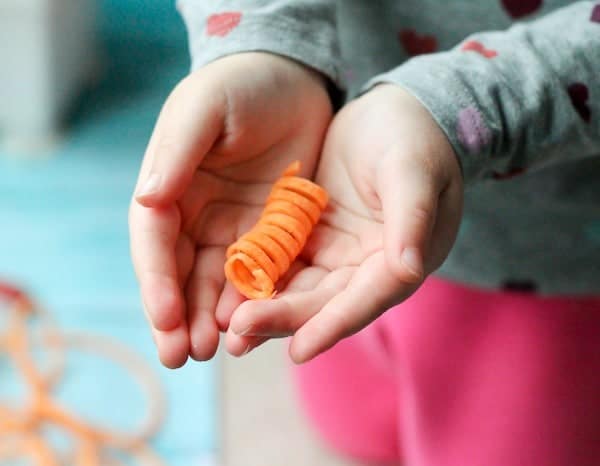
(64, 235)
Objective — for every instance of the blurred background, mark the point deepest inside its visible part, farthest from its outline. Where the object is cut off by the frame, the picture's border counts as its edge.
(81, 84)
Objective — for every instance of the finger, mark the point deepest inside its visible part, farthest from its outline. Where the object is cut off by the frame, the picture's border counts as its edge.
(408, 196)
(284, 315)
(240, 346)
(298, 278)
(280, 317)
(148, 158)
(446, 227)
(370, 291)
(231, 299)
(173, 346)
(188, 126)
(294, 280)
(184, 258)
(154, 234)
(203, 290)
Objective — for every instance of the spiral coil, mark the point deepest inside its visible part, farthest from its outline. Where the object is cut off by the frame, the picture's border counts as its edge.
(257, 260)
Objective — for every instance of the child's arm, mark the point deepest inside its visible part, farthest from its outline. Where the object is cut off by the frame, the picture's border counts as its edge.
(516, 99)
(395, 185)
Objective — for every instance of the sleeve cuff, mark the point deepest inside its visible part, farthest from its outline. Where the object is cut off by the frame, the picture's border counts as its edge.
(447, 97)
(311, 43)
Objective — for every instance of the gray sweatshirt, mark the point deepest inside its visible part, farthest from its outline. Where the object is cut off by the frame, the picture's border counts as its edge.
(514, 84)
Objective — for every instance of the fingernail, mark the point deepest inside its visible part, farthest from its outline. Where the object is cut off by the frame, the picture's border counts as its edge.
(412, 261)
(151, 185)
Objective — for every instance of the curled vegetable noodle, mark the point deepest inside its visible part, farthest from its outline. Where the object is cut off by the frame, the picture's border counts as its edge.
(22, 427)
(257, 260)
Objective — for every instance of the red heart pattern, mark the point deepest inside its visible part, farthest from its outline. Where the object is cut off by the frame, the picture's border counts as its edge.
(221, 24)
(519, 286)
(595, 17)
(579, 94)
(417, 44)
(520, 8)
(509, 174)
(474, 46)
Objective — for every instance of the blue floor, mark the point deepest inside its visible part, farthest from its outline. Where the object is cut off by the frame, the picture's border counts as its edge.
(63, 224)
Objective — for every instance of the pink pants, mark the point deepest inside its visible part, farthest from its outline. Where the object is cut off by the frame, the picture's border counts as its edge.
(463, 377)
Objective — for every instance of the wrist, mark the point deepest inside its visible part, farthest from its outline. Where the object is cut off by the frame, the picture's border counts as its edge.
(293, 69)
(336, 94)
(428, 136)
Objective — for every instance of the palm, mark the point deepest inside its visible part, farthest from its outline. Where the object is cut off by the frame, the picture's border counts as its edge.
(345, 247)
(352, 269)
(219, 144)
(348, 236)
(219, 205)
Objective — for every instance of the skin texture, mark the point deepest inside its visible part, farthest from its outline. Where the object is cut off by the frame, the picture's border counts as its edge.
(224, 135)
(395, 205)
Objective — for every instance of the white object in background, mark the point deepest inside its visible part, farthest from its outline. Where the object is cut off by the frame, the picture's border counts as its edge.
(46, 56)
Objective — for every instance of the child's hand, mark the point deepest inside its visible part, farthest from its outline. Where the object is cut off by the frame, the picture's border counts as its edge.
(396, 200)
(224, 135)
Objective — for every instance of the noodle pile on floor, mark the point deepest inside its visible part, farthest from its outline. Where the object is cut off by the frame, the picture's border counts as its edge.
(22, 427)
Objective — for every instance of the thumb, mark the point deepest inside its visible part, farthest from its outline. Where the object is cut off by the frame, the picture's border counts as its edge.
(188, 126)
(409, 199)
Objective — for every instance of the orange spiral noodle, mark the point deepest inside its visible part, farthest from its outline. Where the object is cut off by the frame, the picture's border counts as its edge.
(261, 256)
